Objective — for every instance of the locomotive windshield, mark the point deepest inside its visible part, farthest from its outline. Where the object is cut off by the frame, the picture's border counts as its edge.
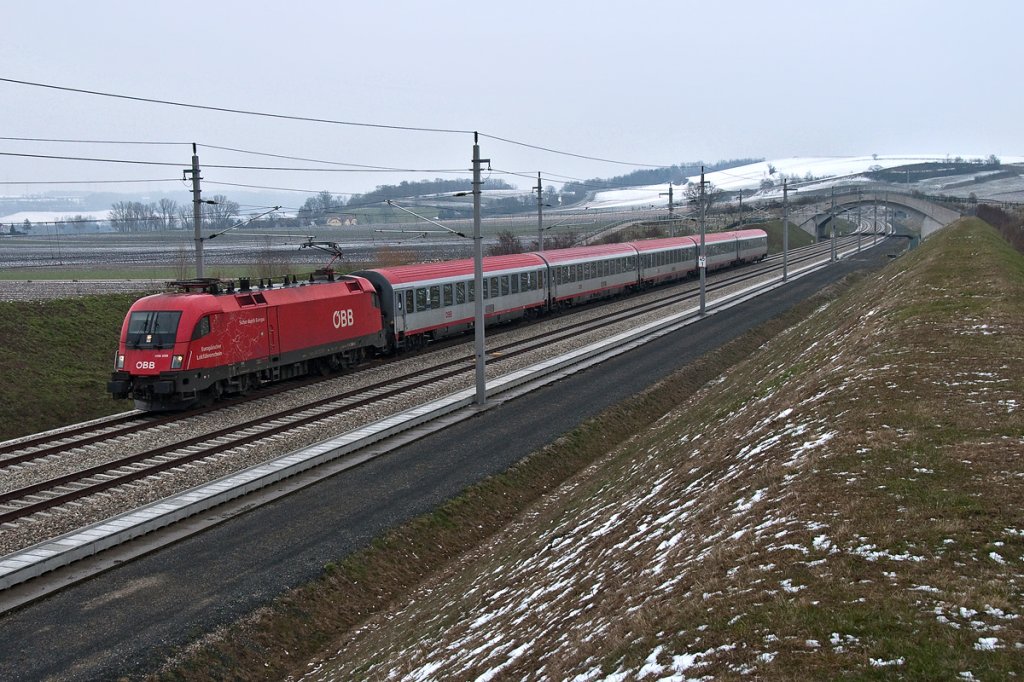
(152, 329)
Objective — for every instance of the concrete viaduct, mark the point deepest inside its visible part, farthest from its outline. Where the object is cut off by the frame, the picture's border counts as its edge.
(922, 216)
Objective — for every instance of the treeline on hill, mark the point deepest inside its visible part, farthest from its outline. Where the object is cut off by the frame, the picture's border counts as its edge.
(1010, 225)
(325, 204)
(924, 171)
(676, 174)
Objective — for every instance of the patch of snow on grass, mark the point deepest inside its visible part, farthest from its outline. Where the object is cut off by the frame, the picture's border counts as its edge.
(823, 544)
(744, 504)
(788, 586)
(987, 644)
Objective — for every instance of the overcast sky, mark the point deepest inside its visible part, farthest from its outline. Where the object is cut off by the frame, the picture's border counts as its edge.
(640, 82)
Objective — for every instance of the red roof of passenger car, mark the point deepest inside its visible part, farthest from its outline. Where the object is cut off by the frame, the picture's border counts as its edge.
(584, 253)
(422, 272)
(668, 243)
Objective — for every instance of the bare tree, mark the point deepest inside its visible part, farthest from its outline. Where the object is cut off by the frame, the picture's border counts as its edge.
(132, 216)
(183, 261)
(221, 213)
(167, 209)
(711, 195)
(507, 244)
(185, 217)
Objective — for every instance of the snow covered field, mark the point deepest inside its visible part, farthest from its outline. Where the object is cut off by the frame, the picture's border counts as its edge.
(828, 170)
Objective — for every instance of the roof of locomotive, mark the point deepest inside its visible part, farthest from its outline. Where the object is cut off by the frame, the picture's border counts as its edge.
(203, 302)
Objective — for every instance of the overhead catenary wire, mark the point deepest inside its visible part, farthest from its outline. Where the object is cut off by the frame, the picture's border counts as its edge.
(73, 141)
(82, 182)
(310, 119)
(230, 110)
(574, 155)
(550, 175)
(235, 167)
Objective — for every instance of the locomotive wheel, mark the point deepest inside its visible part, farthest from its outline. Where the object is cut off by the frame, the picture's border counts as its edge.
(212, 394)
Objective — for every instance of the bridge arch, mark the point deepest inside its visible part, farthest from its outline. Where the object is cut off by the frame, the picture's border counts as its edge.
(927, 217)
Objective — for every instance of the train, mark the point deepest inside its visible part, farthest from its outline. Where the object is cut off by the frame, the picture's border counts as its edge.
(209, 338)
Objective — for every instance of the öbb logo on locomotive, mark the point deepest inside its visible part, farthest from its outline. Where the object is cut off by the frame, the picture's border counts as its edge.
(208, 339)
(344, 318)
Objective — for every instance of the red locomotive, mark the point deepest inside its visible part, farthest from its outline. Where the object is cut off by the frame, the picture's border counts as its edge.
(177, 349)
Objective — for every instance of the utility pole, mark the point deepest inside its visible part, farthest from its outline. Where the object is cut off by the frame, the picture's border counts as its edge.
(739, 225)
(885, 213)
(540, 216)
(832, 223)
(874, 221)
(671, 209)
(702, 259)
(785, 230)
(858, 221)
(478, 276)
(197, 210)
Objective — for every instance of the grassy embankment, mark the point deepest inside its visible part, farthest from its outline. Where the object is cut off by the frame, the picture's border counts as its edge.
(797, 237)
(55, 359)
(845, 501)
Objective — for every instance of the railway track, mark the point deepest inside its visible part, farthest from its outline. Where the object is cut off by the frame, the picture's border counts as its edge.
(48, 496)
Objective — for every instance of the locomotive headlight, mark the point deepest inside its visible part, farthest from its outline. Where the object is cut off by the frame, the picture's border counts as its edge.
(176, 361)
(118, 361)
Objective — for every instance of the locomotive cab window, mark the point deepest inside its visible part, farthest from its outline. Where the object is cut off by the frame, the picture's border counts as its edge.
(202, 328)
(152, 329)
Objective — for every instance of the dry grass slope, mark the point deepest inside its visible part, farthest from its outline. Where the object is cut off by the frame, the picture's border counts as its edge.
(845, 503)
